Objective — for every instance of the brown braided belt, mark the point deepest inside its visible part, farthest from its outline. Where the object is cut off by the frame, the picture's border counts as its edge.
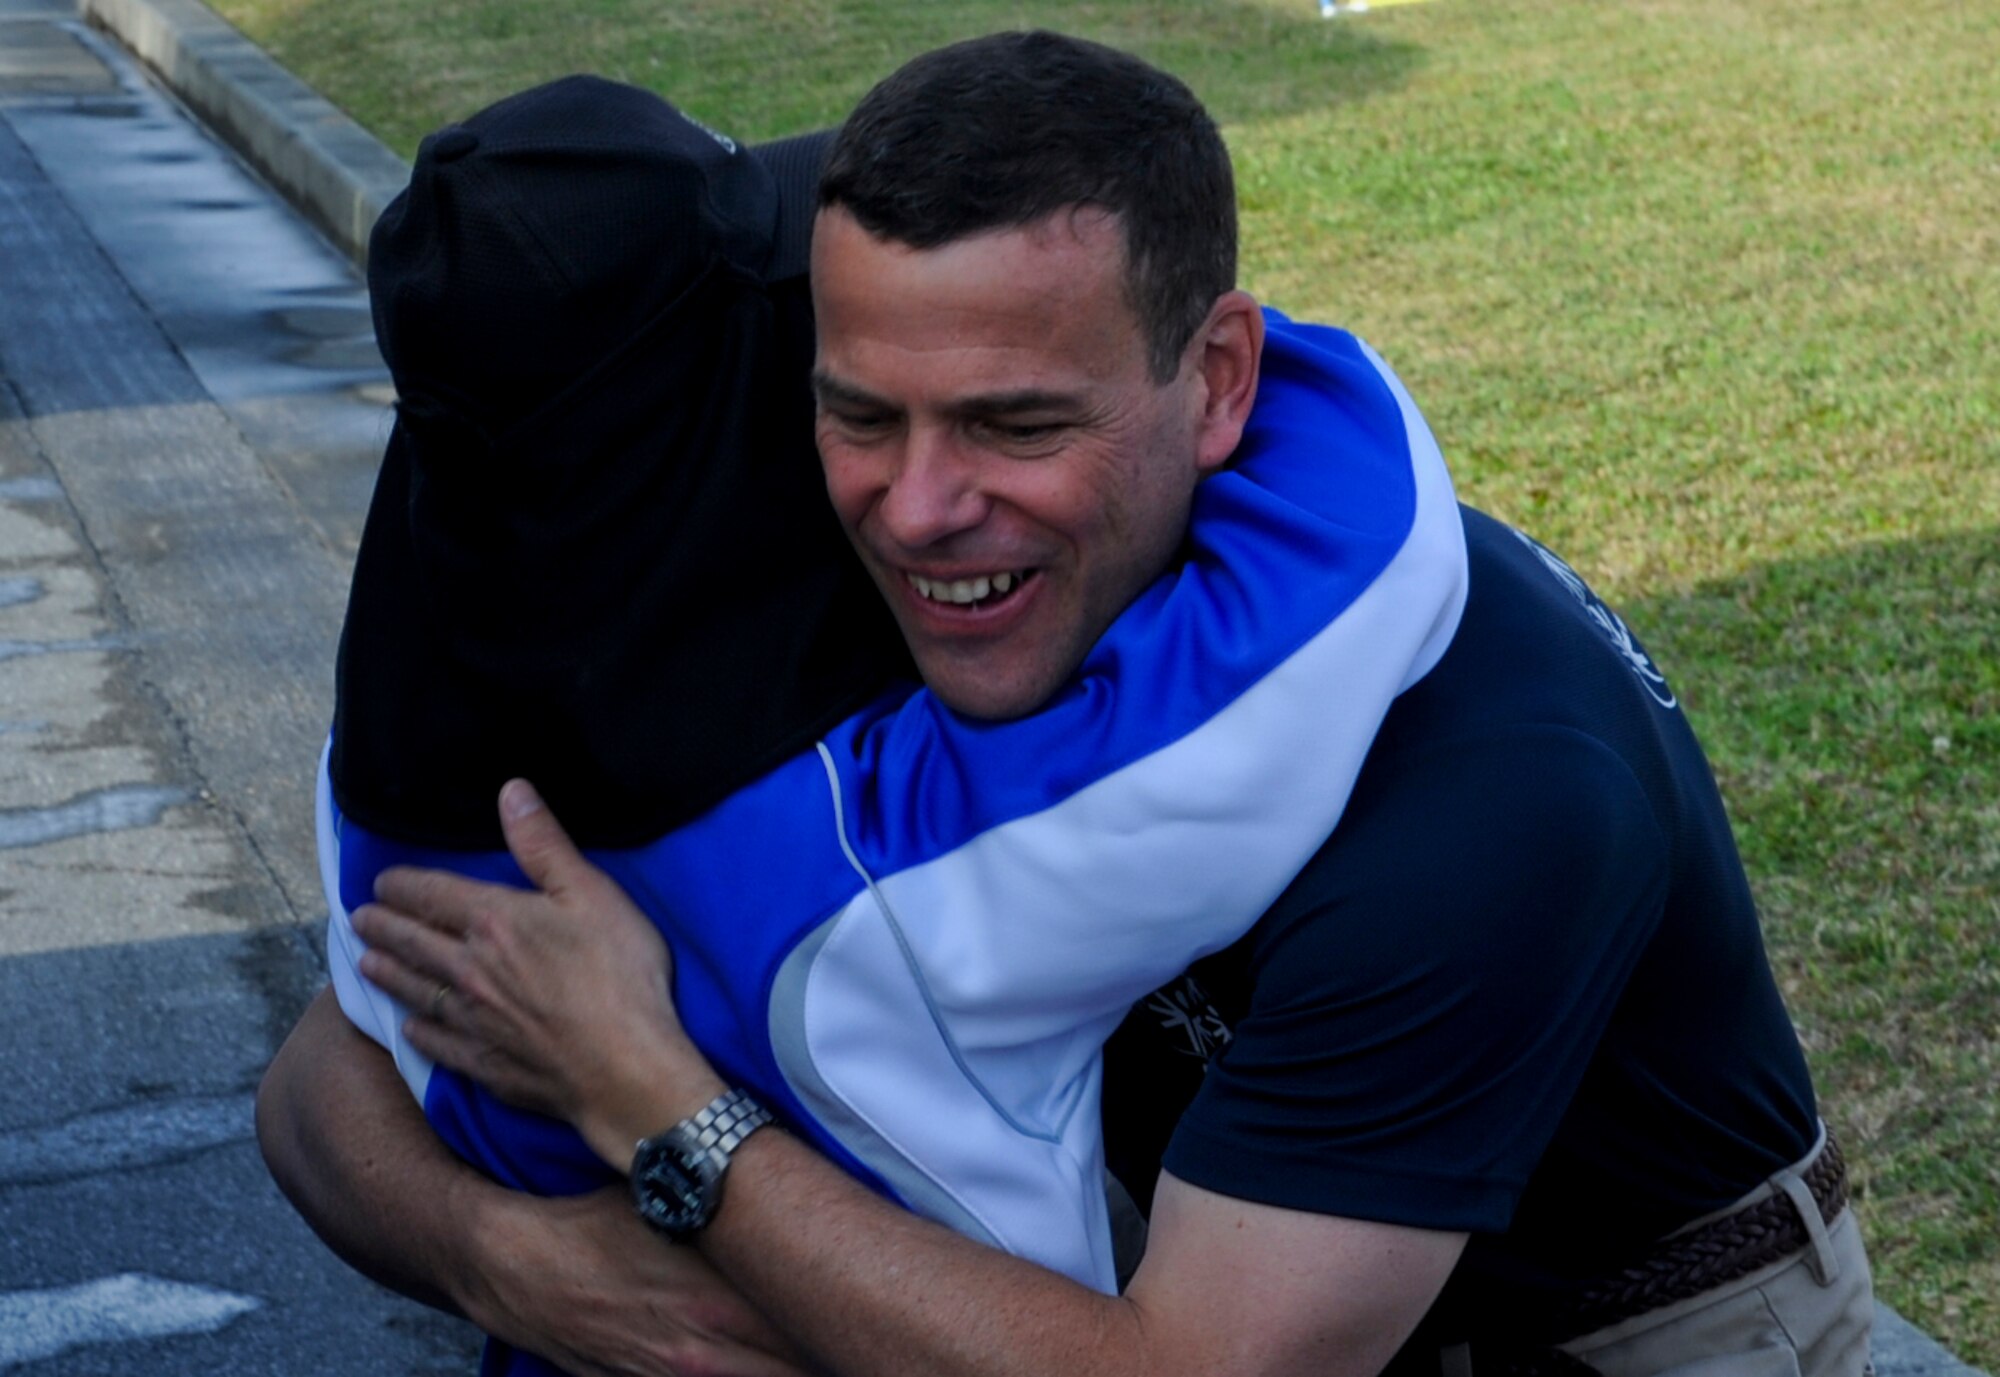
(1679, 1268)
(1713, 1255)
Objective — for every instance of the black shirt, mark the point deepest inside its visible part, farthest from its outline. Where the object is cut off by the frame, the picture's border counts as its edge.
(1520, 992)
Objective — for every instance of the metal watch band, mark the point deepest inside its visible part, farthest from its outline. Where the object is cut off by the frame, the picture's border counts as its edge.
(725, 1121)
(677, 1175)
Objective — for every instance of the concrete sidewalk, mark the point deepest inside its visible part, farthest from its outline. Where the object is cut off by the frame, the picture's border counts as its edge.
(191, 410)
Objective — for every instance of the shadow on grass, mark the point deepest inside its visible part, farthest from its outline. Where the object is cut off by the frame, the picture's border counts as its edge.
(759, 70)
(1869, 675)
(1851, 705)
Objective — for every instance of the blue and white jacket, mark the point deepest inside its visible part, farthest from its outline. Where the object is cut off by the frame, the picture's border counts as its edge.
(913, 941)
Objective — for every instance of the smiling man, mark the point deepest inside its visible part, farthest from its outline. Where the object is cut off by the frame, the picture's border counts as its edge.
(1510, 1086)
(1006, 461)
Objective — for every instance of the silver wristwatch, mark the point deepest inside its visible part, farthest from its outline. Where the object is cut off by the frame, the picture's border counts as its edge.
(677, 1175)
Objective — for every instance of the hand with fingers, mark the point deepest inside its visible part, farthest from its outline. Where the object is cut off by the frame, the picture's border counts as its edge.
(557, 999)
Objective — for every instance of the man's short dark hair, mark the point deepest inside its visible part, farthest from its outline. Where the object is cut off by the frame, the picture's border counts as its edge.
(998, 132)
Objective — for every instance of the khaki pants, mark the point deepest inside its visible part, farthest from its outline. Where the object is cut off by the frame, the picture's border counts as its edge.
(1806, 1315)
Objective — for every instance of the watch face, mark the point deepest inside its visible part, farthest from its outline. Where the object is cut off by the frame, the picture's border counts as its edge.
(674, 1184)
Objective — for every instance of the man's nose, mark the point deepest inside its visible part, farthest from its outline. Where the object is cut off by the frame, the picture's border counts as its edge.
(935, 493)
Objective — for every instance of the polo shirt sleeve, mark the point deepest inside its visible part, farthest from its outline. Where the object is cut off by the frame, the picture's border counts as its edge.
(1429, 991)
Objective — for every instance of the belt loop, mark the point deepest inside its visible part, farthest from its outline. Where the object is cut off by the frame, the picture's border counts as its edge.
(1455, 1360)
(1825, 1266)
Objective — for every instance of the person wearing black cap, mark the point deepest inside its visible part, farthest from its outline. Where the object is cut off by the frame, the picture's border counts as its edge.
(597, 554)
(596, 315)
(1512, 1085)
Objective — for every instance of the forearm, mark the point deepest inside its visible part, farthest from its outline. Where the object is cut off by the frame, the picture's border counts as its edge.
(353, 1153)
(873, 1291)
(579, 1280)
(1228, 1288)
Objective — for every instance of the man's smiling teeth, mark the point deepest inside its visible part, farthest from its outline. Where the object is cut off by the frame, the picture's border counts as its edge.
(963, 591)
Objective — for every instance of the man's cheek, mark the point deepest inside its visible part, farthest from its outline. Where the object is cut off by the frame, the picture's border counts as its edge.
(847, 484)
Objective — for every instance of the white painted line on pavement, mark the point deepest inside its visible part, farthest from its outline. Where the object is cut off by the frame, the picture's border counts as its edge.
(100, 810)
(118, 1309)
(12, 650)
(130, 1136)
(30, 490)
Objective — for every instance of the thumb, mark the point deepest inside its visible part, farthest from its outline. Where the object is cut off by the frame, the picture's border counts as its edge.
(539, 845)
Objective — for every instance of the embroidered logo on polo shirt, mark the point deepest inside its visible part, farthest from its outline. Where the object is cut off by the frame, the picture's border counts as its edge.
(1609, 622)
(1184, 1006)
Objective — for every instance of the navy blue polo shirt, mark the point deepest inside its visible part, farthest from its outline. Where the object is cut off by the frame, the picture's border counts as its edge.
(1520, 992)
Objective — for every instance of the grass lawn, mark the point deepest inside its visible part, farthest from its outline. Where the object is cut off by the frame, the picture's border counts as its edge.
(1707, 296)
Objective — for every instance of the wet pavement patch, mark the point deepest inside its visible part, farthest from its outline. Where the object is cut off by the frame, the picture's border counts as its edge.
(123, 1138)
(14, 650)
(43, 59)
(30, 490)
(100, 810)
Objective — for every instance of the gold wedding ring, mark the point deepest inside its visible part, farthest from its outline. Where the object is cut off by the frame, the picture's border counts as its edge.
(437, 998)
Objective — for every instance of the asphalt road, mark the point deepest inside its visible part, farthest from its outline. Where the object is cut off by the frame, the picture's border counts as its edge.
(191, 408)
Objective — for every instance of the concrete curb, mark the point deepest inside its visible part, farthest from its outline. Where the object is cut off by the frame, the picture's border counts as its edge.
(1903, 1350)
(338, 174)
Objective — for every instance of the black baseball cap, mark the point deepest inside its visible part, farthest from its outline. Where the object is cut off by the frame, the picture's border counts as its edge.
(550, 226)
(599, 553)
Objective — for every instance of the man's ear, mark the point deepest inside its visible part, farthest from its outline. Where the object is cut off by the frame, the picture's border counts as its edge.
(1228, 352)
